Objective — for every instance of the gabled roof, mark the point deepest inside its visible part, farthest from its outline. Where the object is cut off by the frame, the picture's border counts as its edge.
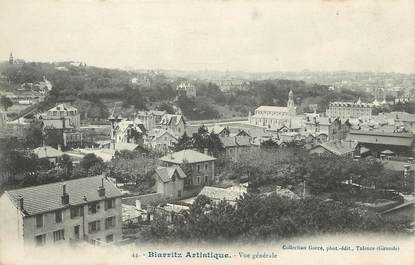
(47, 152)
(189, 156)
(168, 119)
(46, 198)
(166, 173)
(228, 141)
(160, 133)
(384, 138)
(243, 140)
(338, 147)
(216, 129)
(403, 205)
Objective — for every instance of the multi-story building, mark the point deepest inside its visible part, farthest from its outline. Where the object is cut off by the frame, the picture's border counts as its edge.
(273, 117)
(200, 166)
(332, 128)
(64, 112)
(175, 123)
(151, 119)
(85, 209)
(186, 89)
(347, 110)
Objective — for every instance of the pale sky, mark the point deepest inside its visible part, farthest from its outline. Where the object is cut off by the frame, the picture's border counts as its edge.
(255, 36)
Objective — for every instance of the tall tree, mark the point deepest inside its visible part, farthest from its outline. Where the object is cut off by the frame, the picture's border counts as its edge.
(6, 102)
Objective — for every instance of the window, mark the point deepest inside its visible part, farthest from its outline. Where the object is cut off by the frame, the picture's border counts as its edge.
(58, 216)
(58, 235)
(93, 208)
(76, 212)
(179, 193)
(110, 204)
(40, 240)
(39, 220)
(109, 238)
(94, 226)
(76, 231)
(198, 168)
(110, 222)
(206, 166)
(206, 179)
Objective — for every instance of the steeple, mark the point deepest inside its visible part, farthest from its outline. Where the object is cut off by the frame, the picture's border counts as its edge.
(11, 60)
(290, 103)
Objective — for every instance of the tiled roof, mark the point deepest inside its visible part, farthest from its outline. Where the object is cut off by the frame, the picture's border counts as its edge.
(168, 119)
(189, 156)
(403, 205)
(220, 193)
(338, 147)
(46, 152)
(243, 140)
(397, 165)
(63, 107)
(46, 198)
(228, 141)
(272, 108)
(384, 138)
(166, 173)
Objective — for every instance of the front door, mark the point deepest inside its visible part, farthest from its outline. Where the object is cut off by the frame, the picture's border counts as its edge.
(76, 232)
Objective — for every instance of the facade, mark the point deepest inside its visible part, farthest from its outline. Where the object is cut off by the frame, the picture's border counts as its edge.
(347, 110)
(151, 119)
(86, 209)
(170, 181)
(235, 146)
(186, 89)
(126, 131)
(201, 166)
(64, 112)
(162, 140)
(273, 117)
(173, 122)
(333, 128)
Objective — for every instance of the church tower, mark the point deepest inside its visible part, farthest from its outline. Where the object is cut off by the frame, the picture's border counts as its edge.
(290, 103)
(11, 60)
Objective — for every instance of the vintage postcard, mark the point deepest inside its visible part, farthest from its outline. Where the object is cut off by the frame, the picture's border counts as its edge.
(207, 132)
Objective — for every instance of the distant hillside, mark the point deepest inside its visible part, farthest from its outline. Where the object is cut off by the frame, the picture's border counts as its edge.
(94, 91)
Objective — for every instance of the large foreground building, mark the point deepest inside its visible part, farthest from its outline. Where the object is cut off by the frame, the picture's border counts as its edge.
(85, 209)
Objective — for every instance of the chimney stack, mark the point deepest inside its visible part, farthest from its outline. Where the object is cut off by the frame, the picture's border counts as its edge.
(21, 202)
(101, 189)
(206, 151)
(65, 195)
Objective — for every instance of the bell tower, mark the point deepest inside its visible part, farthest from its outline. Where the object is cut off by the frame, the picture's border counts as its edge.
(290, 103)
(11, 60)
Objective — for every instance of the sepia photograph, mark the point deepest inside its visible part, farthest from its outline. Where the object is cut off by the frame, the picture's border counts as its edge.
(199, 132)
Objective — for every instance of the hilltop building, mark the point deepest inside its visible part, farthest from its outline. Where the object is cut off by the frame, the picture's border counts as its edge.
(186, 89)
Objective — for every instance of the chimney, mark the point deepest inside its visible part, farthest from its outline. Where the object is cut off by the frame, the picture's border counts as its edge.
(205, 151)
(21, 202)
(101, 189)
(65, 196)
(410, 160)
(59, 147)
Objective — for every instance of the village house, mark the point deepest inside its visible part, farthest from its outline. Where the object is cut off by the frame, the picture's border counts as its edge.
(63, 112)
(85, 209)
(201, 166)
(219, 130)
(336, 148)
(175, 123)
(331, 128)
(48, 153)
(235, 146)
(126, 131)
(170, 181)
(151, 119)
(161, 140)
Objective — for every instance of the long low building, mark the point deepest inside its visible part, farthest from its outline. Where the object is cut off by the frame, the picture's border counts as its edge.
(396, 144)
